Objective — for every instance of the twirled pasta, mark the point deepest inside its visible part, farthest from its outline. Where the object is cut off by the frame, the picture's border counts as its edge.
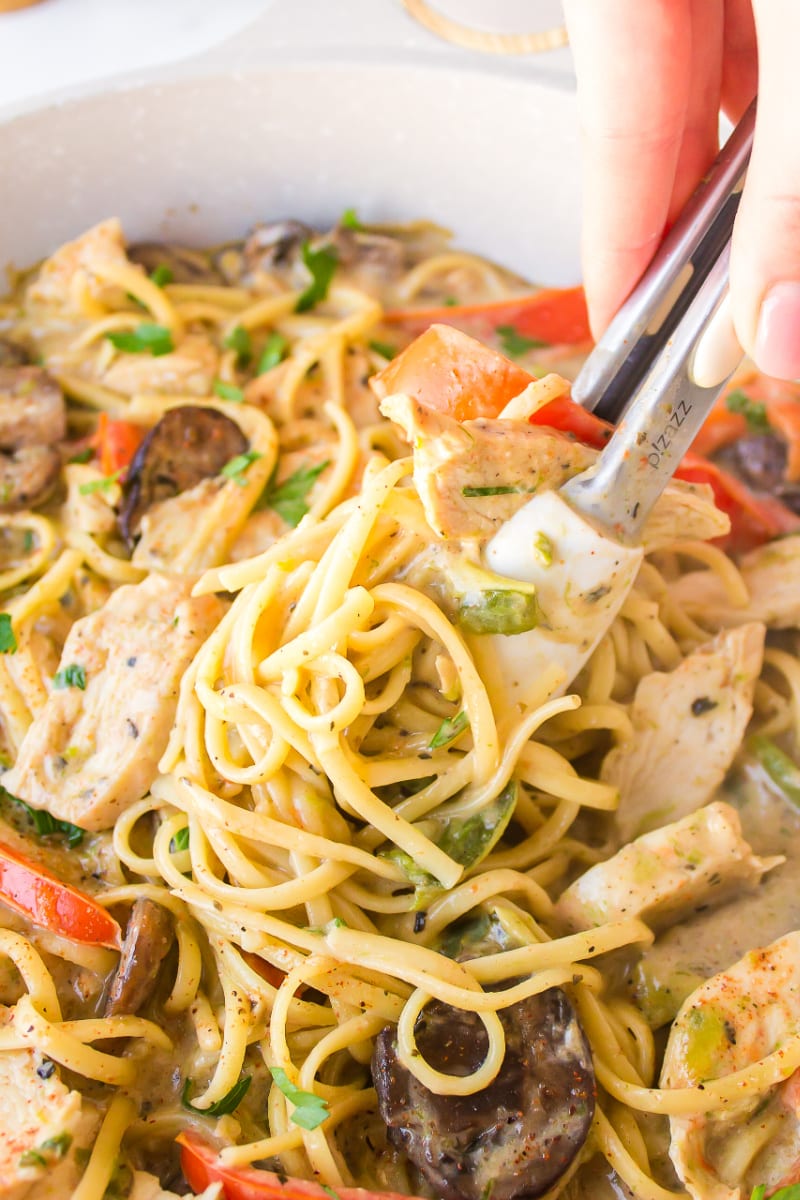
(331, 727)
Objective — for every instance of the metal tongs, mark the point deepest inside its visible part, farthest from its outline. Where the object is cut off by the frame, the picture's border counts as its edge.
(668, 352)
(658, 371)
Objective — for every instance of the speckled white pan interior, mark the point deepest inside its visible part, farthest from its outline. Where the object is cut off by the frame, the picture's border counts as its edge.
(201, 151)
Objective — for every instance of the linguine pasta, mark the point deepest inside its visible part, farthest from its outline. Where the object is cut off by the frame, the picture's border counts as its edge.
(346, 822)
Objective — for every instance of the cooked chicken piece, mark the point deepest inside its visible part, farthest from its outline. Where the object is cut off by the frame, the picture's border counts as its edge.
(35, 1107)
(148, 937)
(473, 475)
(94, 748)
(90, 511)
(189, 369)
(710, 941)
(169, 532)
(662, 876)
(147, 1187)
(731, 1022)
(260, 531)
(32, 411)
(772, 576)
(67, 275)
(688, 725)
(684, 511)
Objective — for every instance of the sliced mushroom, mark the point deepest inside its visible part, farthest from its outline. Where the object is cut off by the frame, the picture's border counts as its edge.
(189, 443)
(759, 460)
(378, 254)
(270, 247)
(32, 411)
(514, 1138)
(148, 938)
(28, 476)
(187, 266)
(11, 353)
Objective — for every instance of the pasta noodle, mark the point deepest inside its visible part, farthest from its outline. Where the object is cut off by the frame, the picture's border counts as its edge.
(333, 833)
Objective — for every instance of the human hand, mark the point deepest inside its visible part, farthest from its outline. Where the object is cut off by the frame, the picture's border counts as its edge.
(652, 78)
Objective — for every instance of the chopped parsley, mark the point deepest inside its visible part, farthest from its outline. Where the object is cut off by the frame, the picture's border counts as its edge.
(161, 275)
(515, 343)
(322, 265)
(180, 841)
(239, 340)
(32, 1158)
(781, 769)
(275, 350)
(228, 391)
(310, 1110)
(146, 338)
(335, 923)
(73, 675)
(349, 220)
(385, 349)
(236, 468)
(448, 731)
(50, 1149)
(334, 1195)
(100, 485)
(27, 541)
(753, 411)
(288, 499)
(83, 456)
(8, 639)
(501, 489)
(58, 1145)
(220, 1108)
(47, 825)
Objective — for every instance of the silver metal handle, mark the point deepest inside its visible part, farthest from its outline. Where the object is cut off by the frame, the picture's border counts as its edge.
(659, 427)
(661, 300)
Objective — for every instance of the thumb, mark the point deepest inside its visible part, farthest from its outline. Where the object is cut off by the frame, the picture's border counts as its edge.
(765, 265)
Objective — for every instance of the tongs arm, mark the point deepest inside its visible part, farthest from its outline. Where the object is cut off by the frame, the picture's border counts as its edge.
(625, 354)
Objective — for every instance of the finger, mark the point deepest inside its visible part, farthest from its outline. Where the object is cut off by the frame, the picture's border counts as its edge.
(739, 58)
(633, 63)
(765, 265)
(701, 127)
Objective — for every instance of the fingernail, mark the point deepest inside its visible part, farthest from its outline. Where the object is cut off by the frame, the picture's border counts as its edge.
(777, 348)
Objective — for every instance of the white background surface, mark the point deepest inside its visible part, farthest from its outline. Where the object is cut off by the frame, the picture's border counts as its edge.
(192, 119)
(63, 46)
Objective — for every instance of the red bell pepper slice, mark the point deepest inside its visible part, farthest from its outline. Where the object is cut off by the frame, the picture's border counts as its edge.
(447, 370)
(556, 316)
(201, 1166)
(116, 443)
(32, 891)
(754, 519)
